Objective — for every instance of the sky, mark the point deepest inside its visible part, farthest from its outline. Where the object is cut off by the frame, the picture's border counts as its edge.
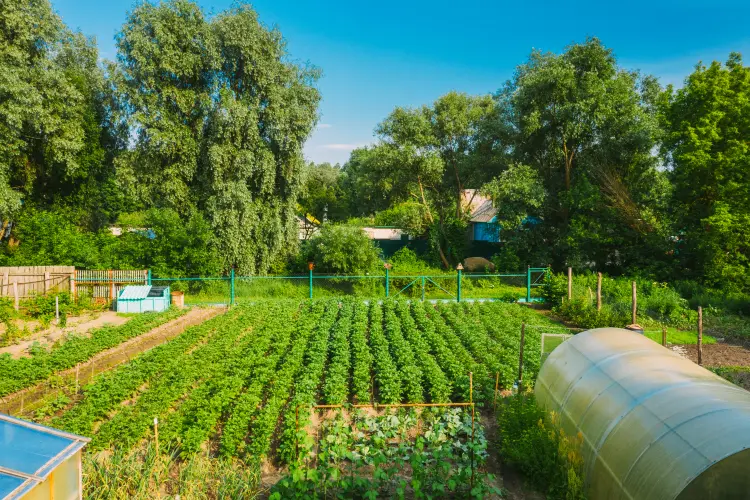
(375, 56)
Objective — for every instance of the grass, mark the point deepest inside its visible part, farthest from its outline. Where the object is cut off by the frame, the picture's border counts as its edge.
(675, 336)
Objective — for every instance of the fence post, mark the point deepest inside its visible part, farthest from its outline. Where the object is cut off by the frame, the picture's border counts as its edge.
(46, 282)
(570, 284)
(387, 284)
(111, 287)
(422, 288)
(528, 284)
(231, 287)
(310, 266)
(635, 304)
(15, 294)
(599, 291)
(520, 358)
(148, 277)
(459, 268)
(73, 285)
(700, 335)
(664, 336)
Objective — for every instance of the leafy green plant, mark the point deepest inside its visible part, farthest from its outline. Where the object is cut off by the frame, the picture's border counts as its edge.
(533, 442)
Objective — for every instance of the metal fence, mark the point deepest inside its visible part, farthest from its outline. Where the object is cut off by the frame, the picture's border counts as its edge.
(231, 289)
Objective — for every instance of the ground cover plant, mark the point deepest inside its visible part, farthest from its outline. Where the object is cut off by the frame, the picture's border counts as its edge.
(240, 386)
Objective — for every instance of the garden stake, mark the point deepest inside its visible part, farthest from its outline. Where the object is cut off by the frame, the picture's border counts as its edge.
(599, 291)
(78, 366)
(700, 336)
(664, 336)
(497, 379)
(471, 400)
(635, 304)
(156, 435)
(570, 284)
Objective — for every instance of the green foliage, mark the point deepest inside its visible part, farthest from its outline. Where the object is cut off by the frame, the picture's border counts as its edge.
(219, 115)
(343, 249)
(533, 442)
(321, 195)
(706, 124)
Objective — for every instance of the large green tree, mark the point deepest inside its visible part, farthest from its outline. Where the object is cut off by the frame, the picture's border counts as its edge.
(53, 144)
(218, 117)
(707, 149)
(589, 129)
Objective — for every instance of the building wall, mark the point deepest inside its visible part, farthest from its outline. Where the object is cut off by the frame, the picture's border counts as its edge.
(486, 231)
(63, 483)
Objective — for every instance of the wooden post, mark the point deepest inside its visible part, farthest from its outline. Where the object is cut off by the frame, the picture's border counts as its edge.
(700, 335)
(599, 291)
(111, 286)
(635, 305)
(497, 381)
(15, 294)
(520, 357)
(570, 283)
(156, 436)
(73, 285)
(664, 336)
(6, 284)
(78, 367)
(46, 282)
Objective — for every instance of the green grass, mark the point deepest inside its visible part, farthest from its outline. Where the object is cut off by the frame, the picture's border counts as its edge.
(675, 336)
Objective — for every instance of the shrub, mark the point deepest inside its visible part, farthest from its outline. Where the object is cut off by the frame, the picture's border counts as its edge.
(341, 249)
(533, 442)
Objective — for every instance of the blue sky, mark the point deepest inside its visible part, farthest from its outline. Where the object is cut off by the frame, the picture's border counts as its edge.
(378, 55)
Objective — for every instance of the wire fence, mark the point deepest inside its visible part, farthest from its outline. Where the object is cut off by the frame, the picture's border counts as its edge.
(459, 286)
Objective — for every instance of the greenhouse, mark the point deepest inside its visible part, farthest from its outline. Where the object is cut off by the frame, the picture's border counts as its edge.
(654, 425)
(38, 462)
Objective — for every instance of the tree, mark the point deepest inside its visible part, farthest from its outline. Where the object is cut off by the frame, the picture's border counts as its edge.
(588, 128)
(219, 117)
(322, 196)
(429, 156)
(707, 126)
(51, 112)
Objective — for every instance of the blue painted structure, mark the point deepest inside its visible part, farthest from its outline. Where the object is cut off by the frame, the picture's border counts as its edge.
(487, 231)
(143, 298)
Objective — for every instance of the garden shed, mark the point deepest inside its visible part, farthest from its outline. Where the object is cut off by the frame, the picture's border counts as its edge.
(38, 462)
(143, 298)
(654, 425)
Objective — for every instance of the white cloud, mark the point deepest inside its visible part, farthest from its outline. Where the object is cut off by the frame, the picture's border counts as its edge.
(340, 147)
(325, 125)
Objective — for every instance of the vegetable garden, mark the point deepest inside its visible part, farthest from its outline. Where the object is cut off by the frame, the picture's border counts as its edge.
(240, 389)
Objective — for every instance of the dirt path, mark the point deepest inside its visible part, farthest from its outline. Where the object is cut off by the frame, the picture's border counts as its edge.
(80, 326)
(23, 400)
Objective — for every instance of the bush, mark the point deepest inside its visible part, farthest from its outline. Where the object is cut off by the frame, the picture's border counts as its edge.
(342, 249)
(533, 442)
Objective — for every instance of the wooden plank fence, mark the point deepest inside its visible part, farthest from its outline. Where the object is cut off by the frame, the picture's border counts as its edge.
(104, 285)
(34, 280)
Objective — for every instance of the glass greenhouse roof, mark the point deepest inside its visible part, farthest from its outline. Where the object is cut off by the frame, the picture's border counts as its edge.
(29, 452)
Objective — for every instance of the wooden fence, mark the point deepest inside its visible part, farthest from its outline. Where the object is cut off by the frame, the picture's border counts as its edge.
(105, 284)
(34, 280)
(102, 285)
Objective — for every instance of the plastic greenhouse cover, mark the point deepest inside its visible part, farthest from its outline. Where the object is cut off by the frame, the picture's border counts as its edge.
(29, 452)
(134, 292)
(652, 422)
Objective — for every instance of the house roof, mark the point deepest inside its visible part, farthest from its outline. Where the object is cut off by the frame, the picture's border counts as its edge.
(480, 207)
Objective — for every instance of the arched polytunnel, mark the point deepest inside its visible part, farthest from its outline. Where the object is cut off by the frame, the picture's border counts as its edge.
(655, 426)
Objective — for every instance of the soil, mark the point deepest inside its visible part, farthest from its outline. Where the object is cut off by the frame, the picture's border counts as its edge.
(719, 354)
(15, 404)
(80, 325)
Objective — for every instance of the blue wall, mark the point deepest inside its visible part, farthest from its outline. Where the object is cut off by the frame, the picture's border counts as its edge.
(486, 231)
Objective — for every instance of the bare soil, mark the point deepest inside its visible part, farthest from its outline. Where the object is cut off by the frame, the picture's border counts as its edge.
(719, 354)
(81, 325)
(106, 360)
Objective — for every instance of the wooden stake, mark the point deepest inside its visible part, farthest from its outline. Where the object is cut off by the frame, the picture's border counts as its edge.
(156, 436)
(78, 367)
(599, 291)
(497, 381)
(520, 357)
(570, 283)
(664, 336)
(635, 305)
(700, 335)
